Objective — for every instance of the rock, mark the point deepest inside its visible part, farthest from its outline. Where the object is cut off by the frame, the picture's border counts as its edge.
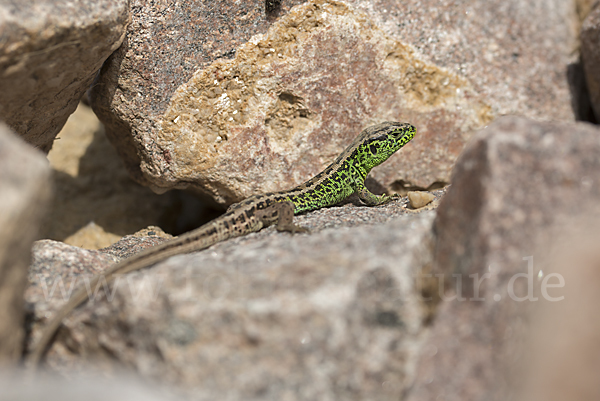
(58, 268)
(291, 99)
(590, 56)
(50, 53)
(500, 47)
(272, 115)
(330, 315)
(25, 189)
(189, 36)
(514, 188)
(92, 236)
(418, 199)
(152, 231)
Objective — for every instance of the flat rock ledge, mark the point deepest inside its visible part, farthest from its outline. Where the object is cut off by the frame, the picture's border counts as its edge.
(333, 314)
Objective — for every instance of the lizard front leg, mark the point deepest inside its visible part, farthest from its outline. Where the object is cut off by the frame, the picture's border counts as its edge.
(369, 198)
(281, 213)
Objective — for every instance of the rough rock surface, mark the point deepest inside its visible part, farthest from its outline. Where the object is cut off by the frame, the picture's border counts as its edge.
(50, 51)
(515, 187)
(57, 268)
(289, 100)
(590, 56)
(25, 190)
(514, 53)
(134, 89)
(330, 315)
(282, 110)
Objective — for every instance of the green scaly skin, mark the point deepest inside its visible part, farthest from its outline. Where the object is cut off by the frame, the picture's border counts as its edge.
(342, 178)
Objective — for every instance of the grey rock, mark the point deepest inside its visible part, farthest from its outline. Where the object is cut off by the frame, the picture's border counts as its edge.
(233, 108)
(25, 189)
(57, 268)
(330, 315)
(515, 187)
(50, 51)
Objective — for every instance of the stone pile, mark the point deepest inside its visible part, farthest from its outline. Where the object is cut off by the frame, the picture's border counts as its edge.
(483, 290)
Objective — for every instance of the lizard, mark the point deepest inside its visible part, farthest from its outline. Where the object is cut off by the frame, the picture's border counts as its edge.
(342, 178)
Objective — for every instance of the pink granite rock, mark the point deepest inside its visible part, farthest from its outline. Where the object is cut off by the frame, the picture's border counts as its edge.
(279, 106)
(563, 348)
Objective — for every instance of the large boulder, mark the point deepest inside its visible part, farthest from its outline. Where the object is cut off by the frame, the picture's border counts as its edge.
(232, 106)
(330, 315)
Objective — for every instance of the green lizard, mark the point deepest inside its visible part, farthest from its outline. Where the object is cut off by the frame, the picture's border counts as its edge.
(345, 176)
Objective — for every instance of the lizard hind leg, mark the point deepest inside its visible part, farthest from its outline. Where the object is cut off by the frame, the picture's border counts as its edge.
(281, 213)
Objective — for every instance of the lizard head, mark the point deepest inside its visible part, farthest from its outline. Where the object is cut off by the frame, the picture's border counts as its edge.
(378, 142)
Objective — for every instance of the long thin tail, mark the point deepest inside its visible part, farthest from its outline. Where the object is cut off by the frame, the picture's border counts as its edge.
(82, 294)
(193, 241)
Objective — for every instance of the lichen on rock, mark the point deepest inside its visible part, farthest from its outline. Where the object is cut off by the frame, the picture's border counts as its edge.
(291, 100)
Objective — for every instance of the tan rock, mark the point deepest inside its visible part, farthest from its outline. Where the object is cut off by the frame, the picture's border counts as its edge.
(134, 90)
(50, 53)
(418, 199)
(271, 118)
(292, 98)
(25, 189)
(92, 236)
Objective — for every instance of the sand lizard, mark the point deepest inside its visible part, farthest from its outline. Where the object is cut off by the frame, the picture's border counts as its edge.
(342, 178)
